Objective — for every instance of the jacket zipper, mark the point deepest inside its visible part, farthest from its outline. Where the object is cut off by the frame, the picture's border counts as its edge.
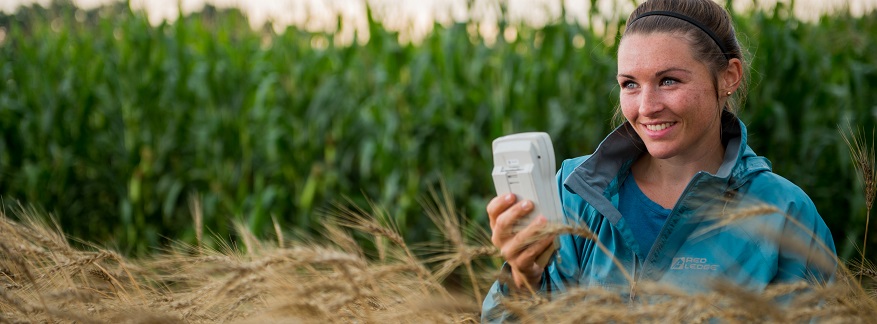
(672, 212)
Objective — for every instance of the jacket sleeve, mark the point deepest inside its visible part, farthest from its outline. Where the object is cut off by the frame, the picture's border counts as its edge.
(492, 309)
(806, 247)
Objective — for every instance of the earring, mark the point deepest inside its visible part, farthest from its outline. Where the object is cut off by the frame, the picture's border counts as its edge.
(729, 93)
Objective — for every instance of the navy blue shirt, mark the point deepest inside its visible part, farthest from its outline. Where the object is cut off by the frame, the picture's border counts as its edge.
(644, 217)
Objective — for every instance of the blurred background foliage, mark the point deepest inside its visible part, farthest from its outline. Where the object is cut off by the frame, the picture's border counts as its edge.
(114, 125)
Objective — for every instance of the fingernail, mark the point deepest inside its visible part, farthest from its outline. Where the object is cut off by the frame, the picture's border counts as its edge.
(509, 197)
(526, 205)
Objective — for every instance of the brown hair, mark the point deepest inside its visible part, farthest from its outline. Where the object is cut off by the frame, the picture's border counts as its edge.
(712, 17)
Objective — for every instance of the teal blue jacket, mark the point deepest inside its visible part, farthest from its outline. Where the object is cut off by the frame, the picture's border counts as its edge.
(693, 247)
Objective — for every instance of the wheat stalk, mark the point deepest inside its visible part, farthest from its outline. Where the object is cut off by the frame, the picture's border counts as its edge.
(198, 218)
(553, 229)
(863, 157)
(356, 218)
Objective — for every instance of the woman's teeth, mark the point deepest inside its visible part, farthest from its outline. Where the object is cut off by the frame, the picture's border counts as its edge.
(658, 127)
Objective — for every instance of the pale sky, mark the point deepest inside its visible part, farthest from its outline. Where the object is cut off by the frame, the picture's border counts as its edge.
(415, 14)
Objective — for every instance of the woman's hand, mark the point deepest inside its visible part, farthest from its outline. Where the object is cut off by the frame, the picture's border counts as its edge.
(518, 248)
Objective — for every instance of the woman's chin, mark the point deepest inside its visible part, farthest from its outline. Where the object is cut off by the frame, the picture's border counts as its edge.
(661, 152)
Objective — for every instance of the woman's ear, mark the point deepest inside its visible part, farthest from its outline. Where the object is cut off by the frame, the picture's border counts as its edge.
(732, 76)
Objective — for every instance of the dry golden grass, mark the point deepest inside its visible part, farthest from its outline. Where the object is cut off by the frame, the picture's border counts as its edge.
(864, 159)
(332, 279)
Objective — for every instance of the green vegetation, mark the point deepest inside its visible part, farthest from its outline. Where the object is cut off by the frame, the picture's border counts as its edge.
(115, 125)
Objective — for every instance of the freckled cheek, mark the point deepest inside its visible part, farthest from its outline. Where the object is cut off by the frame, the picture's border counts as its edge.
(702, 105)
(702, 99)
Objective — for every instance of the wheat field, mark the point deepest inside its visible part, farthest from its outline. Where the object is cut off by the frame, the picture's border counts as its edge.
(334, 277)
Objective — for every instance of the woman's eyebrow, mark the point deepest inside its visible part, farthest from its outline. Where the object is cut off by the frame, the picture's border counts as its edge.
(673, 69)
(657, 74)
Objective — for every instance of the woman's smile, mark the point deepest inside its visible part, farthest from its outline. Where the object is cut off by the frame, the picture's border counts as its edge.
(658, 130)
(659, 127)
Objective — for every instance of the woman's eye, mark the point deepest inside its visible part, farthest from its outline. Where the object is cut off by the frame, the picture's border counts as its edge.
(668, 82)
(628, 85)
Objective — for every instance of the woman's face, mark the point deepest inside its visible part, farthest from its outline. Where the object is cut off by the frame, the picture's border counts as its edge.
(668, 97)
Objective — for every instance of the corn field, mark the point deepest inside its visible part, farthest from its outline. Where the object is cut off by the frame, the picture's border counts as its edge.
(114, 126)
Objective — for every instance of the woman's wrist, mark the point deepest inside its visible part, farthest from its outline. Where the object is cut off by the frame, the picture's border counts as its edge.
(523, 281)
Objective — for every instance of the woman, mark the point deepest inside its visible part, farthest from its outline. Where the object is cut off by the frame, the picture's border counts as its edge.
(661, 190)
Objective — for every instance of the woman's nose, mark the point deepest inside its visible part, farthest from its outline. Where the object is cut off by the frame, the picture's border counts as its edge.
(650, 102)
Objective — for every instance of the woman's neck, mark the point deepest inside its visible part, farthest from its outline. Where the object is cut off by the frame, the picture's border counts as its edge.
(663, 180)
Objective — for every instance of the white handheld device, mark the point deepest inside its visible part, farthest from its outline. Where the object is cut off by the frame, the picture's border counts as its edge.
(523, 164)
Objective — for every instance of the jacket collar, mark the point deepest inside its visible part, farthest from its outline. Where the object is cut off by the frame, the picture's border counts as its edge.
(596, 179)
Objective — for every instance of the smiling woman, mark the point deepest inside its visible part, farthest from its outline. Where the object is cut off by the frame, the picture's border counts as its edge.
(669, 100)
(658, 198)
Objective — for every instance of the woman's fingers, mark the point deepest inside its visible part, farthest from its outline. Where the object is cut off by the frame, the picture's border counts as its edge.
(521, 249)
(533, 240)
(524, 250)
(526, 246)
(507, 221)
(497, 205)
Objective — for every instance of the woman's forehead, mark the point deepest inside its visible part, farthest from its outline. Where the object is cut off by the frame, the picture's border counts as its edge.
(655, 51)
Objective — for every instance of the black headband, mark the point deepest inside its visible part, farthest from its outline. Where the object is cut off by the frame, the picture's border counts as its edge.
(689, 20)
